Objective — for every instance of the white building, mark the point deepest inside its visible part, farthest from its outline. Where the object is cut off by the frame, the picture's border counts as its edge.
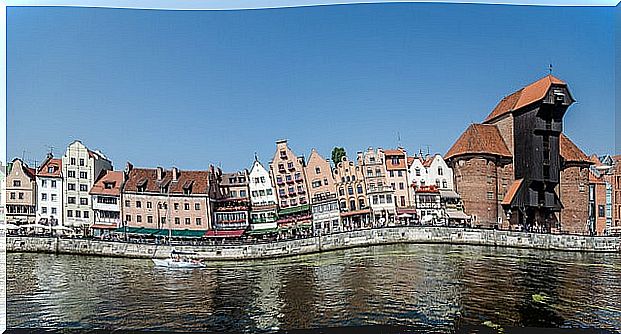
(430, 171)
(80, 168)
(3, 171)
(262, 198)
(50, 195)
(106, 202)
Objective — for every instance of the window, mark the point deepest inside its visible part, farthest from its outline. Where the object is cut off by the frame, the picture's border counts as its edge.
(402, 200)
(78, 214)
(71, 186)
(54, 197)
(490, 195)
(70, 213)
(361, 203)
(417, 171)
(85, 214)
(242, 193)
(73, 161)
(375, 199)
(601, 211)
(127, 203)
(197, 206)
(186, 206)
(317, 170)
(261, 192)
(290, 165)
(83, 187)
(83, 201)
(176, 205)
(43, 209)
(177, 221)
(83, 175)
(400, 173)
(138, 219)
(81, 162)
(359, 189)
(187, 221)
(269, 191)
(17, 183)
(50, 169)
(389, 199)
(149, 205)
(198, 221)
(71, 173)
(44, 183)
(71, 200)
(378, 172)
(350, 190)
(444, 184)
(401, 186)
(392, 173)
(352, 205)
(138, 204)
(316, 184)
(150, 219)
(54, 211)
(128, 218)
(163, 220)
(440, 171)
(12, 195)
(20, 195)
(325, 181)
(53, 183)
(44, 197)
(581, 187)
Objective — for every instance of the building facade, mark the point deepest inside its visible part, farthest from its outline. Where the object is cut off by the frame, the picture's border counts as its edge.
(231, 212)
(263, 208)
(351, 193)
(322, 193)
(380, 195)
(50, 195)
(397, 175)
(287, 174)
(157, 200)
(21, 191)
(106, 199)
(80, 168)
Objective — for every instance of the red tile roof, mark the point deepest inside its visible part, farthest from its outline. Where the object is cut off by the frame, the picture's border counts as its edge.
(394, 152)
(114, 180)
(479, 139)
(570, 152)
(402, 163)
(511, 192)
(148, 177)
(57, 164)
(410, 161)
(523, 97)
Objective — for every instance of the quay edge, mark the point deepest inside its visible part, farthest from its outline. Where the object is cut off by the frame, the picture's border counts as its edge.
(344, 240)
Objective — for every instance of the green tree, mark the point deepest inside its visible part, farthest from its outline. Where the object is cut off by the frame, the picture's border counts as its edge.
(337, 154)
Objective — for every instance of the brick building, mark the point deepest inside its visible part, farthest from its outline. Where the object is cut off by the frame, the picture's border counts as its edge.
(518, 170)
(322, 192)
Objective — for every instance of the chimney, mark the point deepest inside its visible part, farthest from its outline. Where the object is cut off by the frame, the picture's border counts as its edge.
(160, 173)
(175, 174)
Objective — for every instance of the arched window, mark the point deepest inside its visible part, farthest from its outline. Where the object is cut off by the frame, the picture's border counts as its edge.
(359, 189)
(341, 192)
(440, 171)
(343, 205)
(348, 178)
(352, 205)
(350, 190)
(361, 204)
(438, 183)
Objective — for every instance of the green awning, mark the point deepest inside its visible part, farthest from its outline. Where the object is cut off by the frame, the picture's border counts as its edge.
(263, 231)
(295, 209)
(164, 233)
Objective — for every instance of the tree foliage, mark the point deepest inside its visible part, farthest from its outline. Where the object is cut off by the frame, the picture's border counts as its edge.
(337, 155)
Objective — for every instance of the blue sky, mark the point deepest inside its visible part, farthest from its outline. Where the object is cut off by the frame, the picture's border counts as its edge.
(190, 88)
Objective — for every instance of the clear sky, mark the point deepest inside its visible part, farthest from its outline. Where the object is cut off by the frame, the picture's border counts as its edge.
(190, 88)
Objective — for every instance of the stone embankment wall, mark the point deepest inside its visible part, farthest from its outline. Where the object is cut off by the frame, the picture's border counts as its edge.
(320, 244)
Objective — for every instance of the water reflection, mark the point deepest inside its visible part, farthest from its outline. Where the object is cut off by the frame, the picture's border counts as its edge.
(436, 286)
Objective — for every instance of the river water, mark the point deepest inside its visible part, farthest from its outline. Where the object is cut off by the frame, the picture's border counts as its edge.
(436, 287)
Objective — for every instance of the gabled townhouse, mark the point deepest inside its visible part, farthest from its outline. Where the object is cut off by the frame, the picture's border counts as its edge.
(157, 202)
(287, 173)
(263, 211)
(21, 190)
(351, 190)
(322, 192)
(380, 195)
(106, 201)
(80, 168)
(3, 193)
(50, 192)
(397, 175)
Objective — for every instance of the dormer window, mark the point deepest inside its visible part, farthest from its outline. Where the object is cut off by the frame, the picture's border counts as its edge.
(142, 185)
(109, 185)
(51, 169)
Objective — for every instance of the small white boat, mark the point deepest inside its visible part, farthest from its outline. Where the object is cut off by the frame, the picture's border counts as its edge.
(178, 260)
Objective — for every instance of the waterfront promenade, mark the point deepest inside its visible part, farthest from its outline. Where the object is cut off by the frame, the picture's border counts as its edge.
(344, 240)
